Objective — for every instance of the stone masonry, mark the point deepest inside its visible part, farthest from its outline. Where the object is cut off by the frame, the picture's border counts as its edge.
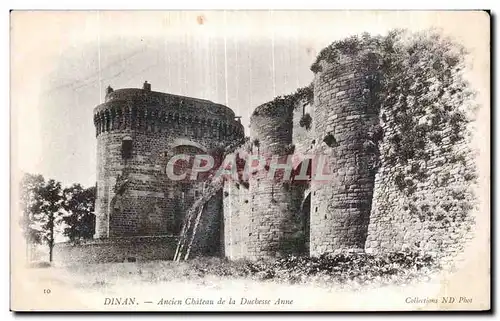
(135, 198)
(272, 218)
(368, 203)
(343, 118)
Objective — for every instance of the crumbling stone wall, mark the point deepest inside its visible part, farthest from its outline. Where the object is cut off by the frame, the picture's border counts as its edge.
(424, 205)
(417, 142)
(270, 134)
(424, 191)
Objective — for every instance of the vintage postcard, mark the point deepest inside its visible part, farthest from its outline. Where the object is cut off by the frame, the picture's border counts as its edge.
(250, 160)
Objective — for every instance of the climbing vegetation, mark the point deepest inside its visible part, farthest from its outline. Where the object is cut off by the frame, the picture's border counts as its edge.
(282, 105)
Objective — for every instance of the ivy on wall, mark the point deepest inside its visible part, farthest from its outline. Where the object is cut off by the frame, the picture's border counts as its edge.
(283, 104)
(363, 46)
(417, 81)
(427, 100)
(306, 121)
(417, 84)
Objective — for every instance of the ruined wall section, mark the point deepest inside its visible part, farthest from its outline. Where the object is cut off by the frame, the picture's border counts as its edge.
(423, 204)
(345, 115)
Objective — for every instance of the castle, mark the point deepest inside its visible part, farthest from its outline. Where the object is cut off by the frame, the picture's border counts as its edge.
(367, 206)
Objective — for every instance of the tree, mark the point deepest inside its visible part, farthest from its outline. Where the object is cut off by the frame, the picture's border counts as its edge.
(80, 219)
(42, 205)
(50, 214)
(30, 205)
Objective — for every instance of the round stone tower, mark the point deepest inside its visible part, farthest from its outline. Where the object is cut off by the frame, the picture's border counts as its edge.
(345, 116)
(138, 131)
(271, 217)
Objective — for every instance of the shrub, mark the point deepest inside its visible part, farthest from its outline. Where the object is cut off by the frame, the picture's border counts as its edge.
(305, 121)
(284, 104)
(400, 267)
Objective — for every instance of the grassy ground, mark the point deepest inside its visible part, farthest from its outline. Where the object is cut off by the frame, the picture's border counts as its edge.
(328, 282)
(342, 270)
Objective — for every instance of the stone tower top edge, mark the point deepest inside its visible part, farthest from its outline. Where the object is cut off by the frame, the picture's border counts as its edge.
(275, 109)
(161, 99)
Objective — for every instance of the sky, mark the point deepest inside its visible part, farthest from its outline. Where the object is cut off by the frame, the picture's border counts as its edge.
(61, 63)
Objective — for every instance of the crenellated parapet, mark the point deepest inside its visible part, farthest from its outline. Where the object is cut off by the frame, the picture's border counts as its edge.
(152, 114)
(116, 118)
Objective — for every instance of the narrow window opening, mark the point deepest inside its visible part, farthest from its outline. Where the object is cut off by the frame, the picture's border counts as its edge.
(127, 148)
